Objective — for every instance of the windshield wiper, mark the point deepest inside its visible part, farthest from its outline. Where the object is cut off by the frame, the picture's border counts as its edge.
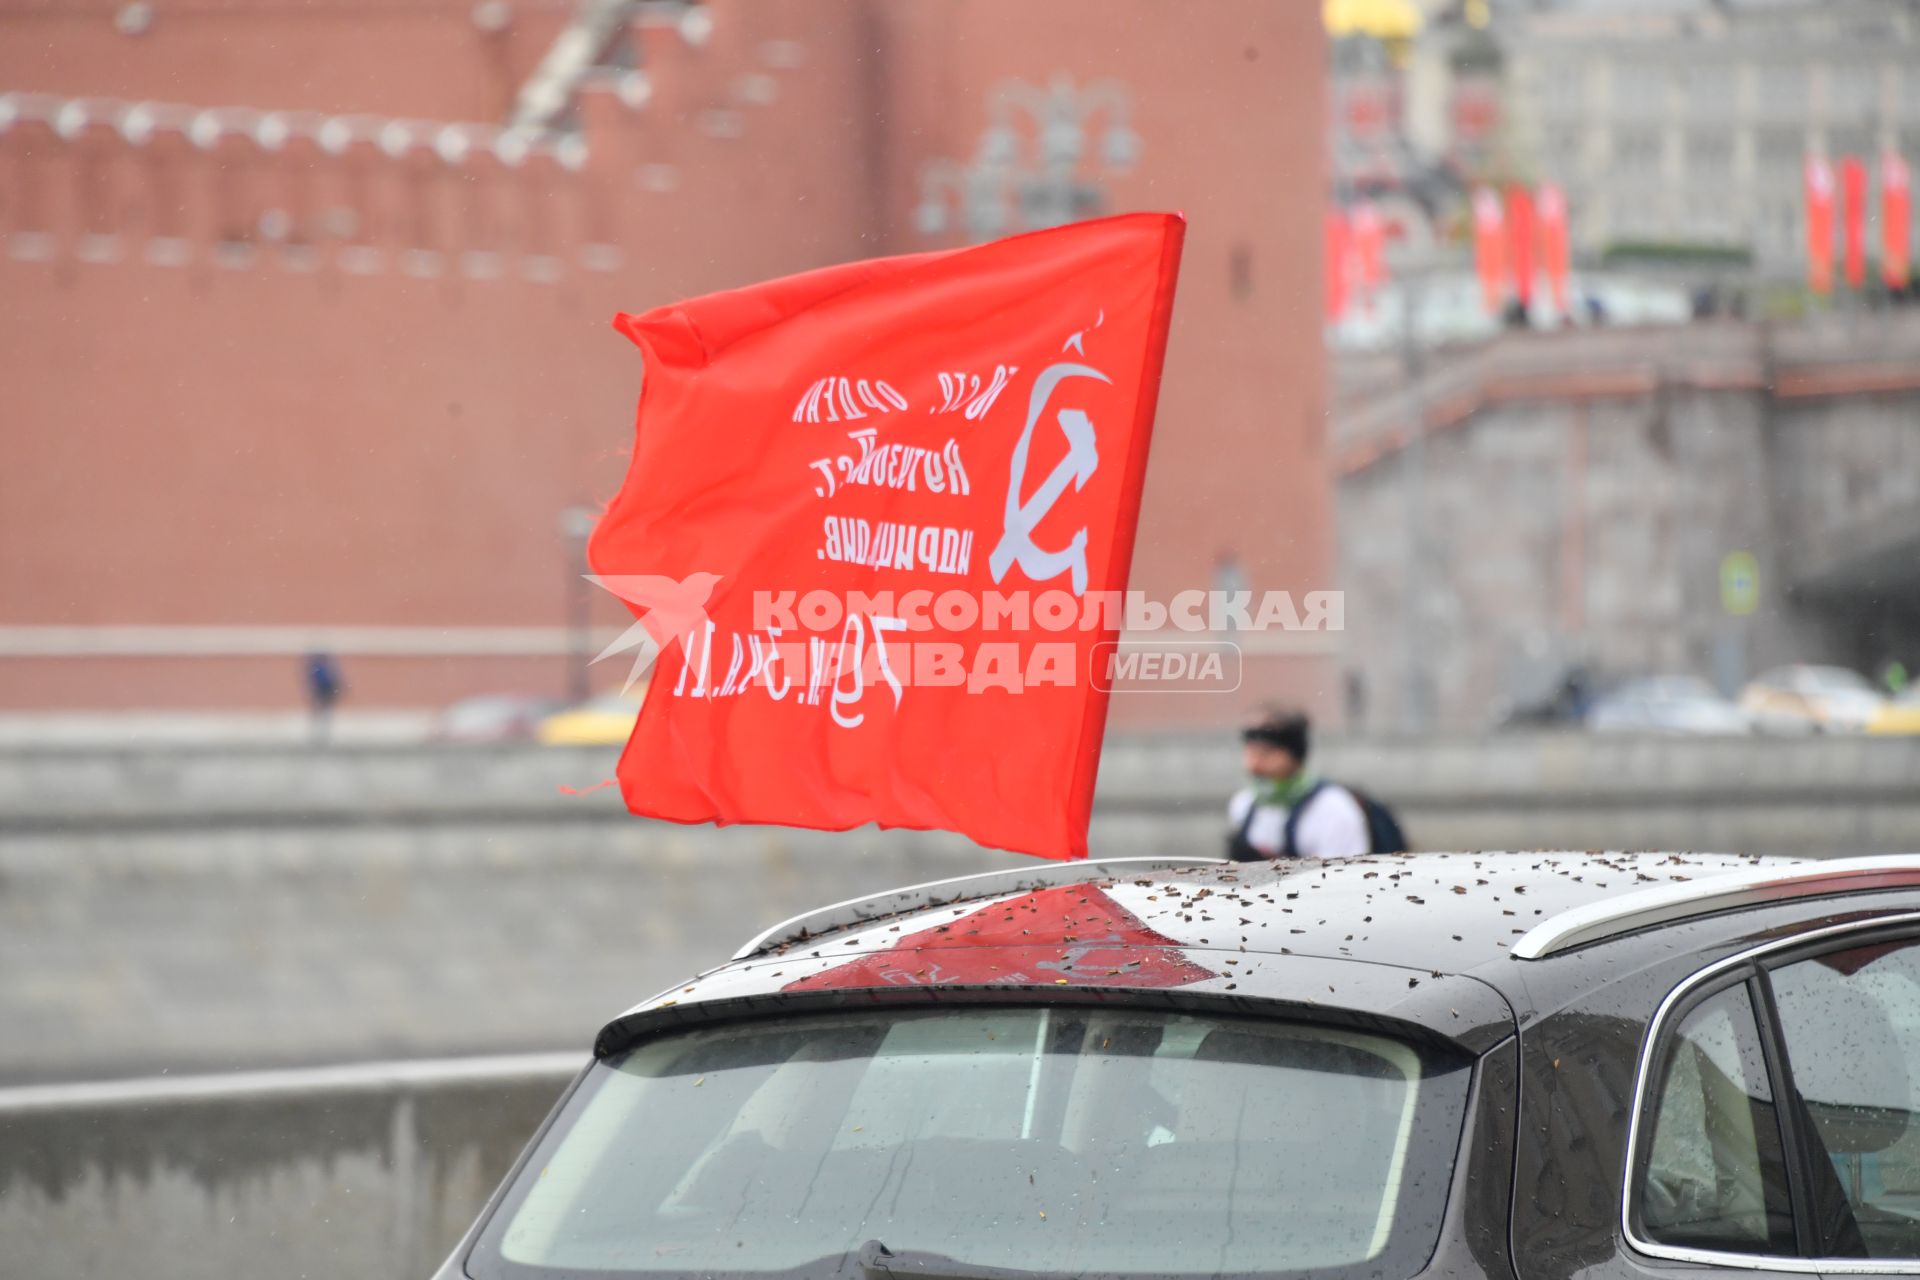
(877, 1262)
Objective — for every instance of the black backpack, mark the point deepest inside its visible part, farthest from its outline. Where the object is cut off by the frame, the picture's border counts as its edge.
(1383, 828)
(1384, 834)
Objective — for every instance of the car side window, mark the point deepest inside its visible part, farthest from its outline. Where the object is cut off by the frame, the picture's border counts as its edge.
(1715, 1176)
(1850, 1021)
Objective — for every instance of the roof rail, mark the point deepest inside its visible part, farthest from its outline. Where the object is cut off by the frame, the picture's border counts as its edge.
(938, 893)
(1753, 887)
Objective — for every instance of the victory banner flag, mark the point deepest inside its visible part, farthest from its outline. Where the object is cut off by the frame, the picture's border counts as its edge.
(1550, 207)
(1817, 178)
(1896, 213)
(1521, 229)
(1853, 220)
(877, 524)
(1489, 249)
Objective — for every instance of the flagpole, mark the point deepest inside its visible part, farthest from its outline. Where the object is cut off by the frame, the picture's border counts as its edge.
(1414, 716)
(576, 526)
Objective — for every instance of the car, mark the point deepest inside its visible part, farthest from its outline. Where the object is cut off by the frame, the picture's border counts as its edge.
(1666, 704)
(603, 721)
(494, 717)
(1900, 715)
(1491, 1065)
(1806, 698)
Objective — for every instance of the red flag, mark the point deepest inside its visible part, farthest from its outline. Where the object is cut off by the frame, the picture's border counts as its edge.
(1520, 232)
(1853, 186)
(1551, 213)
(1896, 221)
(1489, 253)
(904, 494)
(1819, 191)
(1369, 251)
(1337, 237)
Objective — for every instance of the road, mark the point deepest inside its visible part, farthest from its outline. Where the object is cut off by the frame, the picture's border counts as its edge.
(208, 907)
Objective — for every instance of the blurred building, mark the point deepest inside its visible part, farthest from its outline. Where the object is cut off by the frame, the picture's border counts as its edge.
(1577, 500)
(1455, 107)
(1414, 110)
(1688, 122)
(305, 342)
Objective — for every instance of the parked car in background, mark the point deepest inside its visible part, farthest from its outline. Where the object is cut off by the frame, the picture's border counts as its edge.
(494, 717)
(1666, 704)
(1470, 1066)
(1546, 701)
(1900, 715)
(1805, 698)
(605, 721)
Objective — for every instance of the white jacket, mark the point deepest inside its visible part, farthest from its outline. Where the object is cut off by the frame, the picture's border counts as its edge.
(1333, 825)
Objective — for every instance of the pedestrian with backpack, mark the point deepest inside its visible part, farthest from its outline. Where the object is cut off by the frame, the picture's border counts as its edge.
(1289, 812)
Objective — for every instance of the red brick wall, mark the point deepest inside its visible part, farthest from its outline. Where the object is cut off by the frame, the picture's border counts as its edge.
(376, 418)
(422, 58)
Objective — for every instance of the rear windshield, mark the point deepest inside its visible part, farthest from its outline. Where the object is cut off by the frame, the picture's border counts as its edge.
(1065, 1141)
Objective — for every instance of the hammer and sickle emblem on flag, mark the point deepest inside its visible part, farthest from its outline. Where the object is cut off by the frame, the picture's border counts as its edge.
(1082, 457)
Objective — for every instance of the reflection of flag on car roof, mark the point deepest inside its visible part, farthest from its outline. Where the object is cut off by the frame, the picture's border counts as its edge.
(1074, 934)
(858, 459)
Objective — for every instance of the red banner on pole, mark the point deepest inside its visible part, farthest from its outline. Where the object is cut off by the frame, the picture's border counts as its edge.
(1489, 250)
(1896, 221)
(1369, 252)
(1520, 233)
(1551, 213)
(1338, 235)
(1853, 187)
(1819, 193)
(887, 510)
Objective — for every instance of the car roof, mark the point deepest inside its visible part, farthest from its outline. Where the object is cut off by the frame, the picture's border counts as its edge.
(1441, 912)
(1429, 939)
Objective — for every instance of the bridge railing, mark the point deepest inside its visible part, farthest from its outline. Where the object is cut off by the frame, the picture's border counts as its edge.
(363, 1172)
